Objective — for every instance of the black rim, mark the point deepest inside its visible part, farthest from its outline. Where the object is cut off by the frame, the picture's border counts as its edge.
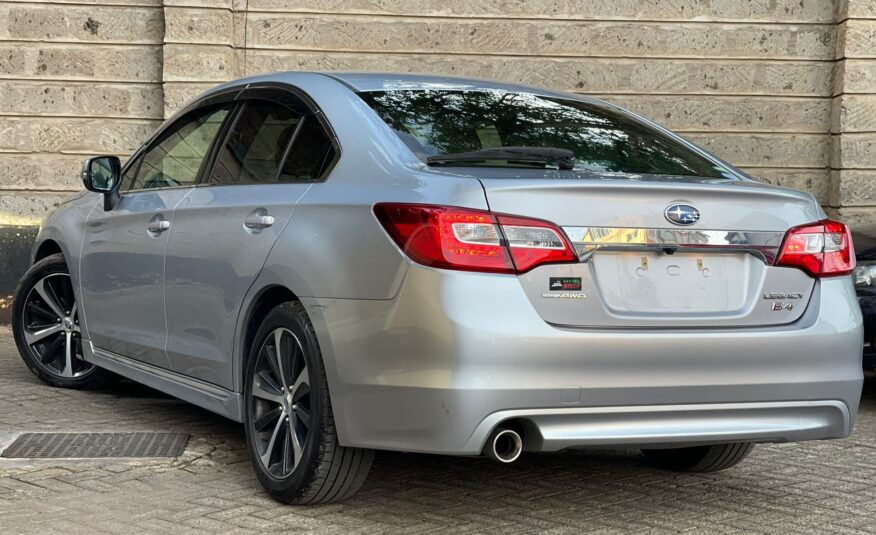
(51, 327)
(280, 408)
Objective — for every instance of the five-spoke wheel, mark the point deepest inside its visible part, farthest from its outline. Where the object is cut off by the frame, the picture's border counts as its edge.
(45, 319)
(290, 429)
(51, 326)
(281, 402)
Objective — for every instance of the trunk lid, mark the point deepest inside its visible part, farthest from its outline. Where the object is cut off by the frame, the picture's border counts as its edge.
(638, 269)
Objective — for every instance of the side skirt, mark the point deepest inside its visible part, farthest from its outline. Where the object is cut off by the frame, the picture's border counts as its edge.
(208, 396)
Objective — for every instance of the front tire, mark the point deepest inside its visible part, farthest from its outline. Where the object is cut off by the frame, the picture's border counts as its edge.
(700, 458)
(45, 323)
(290, 430)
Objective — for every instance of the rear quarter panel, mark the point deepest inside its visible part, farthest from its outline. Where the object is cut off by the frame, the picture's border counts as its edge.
(333, 246)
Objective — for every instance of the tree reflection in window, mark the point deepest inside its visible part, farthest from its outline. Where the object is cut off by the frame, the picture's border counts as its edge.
(440, 121)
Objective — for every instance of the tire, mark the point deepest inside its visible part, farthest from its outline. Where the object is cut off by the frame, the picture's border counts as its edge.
(45, 324)
(318, 470)
(700, 458)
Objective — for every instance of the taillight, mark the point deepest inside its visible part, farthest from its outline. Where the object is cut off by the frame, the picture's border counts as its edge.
(472, 240)
(822, 249)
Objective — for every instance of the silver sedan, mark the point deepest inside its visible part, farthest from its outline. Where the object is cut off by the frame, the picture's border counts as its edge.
(352, 262)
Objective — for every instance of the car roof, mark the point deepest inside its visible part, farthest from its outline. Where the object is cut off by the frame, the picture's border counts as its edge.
(383, 81)
(386, 81)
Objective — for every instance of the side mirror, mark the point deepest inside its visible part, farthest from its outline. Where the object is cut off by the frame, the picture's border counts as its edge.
(103, 174)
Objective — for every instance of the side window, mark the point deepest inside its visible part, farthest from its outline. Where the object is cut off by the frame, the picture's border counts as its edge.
(130, 173)
(181, 149)
(311, 152)
(256, 145)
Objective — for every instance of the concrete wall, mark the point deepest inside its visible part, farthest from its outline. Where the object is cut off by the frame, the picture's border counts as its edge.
(786, 89)
(853, 117)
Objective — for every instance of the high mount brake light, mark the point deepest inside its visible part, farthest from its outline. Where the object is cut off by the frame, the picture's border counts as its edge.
(473, 240)
(822, 249)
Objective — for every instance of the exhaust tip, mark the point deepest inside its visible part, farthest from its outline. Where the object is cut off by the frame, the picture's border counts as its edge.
(504, 445)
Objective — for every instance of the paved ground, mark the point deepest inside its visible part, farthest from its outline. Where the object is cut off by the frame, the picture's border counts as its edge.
(827, 487)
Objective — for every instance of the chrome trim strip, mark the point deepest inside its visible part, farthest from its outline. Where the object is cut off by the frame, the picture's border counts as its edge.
(701, 423)
(587, 240)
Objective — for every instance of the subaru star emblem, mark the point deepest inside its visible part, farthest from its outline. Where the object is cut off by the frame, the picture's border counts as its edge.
(682, 214)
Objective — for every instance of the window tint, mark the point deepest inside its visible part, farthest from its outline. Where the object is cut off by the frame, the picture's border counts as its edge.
(256, 144)
(432, 122)
(130, 172)
(175, 160)
(311, 152)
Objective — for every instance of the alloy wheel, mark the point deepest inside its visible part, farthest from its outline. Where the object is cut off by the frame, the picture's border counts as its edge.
(280, 409)
(51, 327)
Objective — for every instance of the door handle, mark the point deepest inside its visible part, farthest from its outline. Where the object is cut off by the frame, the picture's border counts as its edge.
(256, 221)
(158, 226)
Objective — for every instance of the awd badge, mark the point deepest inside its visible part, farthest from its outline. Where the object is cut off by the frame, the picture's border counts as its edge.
(565, 295)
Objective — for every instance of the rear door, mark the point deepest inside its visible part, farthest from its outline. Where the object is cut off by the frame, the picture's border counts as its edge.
(275, 150)
(123, 254)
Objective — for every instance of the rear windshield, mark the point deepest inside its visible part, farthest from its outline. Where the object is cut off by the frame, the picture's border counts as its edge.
(435, 122)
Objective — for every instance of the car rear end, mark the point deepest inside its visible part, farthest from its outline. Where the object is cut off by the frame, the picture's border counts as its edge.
(599, 306)
(865, 283)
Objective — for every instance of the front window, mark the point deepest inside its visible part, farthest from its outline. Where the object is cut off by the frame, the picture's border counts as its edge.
(433, 122)
(176, 157)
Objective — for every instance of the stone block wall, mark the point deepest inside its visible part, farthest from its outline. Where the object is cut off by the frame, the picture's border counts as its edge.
(853, 119)
(784, 89)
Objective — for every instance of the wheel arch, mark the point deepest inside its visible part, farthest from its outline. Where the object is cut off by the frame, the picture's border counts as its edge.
(263, 301)
(46, 248)
(268, 292)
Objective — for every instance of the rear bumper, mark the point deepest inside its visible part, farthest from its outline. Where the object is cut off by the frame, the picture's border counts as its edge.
(669, 425)
(454, 354)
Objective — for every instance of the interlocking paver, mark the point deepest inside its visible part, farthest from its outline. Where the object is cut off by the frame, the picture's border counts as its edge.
(814, 487)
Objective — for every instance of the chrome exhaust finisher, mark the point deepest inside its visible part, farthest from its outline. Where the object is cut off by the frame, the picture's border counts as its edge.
(504, 445)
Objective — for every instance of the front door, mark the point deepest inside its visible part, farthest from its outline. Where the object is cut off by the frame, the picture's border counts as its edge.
(122, 265)
(224, 231)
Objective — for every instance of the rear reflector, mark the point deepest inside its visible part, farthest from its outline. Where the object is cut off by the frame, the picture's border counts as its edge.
(473, 240)
(822, 249)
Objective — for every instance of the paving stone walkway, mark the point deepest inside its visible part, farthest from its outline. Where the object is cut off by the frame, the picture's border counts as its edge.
(815, 487)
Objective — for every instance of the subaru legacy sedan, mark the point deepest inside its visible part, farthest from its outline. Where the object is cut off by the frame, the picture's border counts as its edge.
(350, 262)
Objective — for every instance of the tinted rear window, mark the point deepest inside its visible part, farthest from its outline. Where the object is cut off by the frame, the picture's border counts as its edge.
(310, 155)
(432, 122)
(256, 145)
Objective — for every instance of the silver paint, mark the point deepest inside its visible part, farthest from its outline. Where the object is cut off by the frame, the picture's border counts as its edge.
(421, 359)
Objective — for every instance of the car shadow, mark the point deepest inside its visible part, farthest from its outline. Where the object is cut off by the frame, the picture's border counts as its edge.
(549, 487)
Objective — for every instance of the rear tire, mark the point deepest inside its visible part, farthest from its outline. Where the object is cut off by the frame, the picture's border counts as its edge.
(290, 430)
(700, 458)
(45, 323)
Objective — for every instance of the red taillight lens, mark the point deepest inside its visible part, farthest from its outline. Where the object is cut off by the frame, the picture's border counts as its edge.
(472, 240)
(451, 238)
(533, 242)
(822, 249)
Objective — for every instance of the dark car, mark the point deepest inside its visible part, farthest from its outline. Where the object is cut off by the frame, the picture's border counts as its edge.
(865, 284)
